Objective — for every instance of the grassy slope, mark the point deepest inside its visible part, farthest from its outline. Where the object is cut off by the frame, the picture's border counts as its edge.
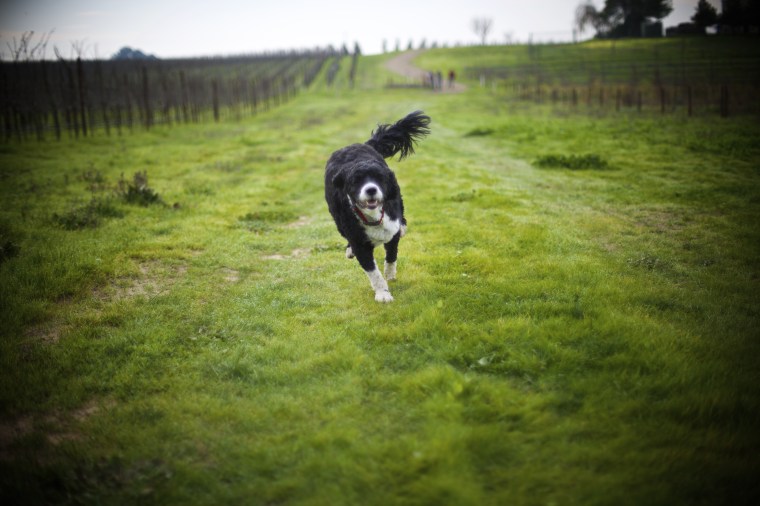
(557, 336)
(697, 60)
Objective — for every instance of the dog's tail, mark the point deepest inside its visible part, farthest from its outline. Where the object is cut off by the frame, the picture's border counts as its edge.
(401, 136)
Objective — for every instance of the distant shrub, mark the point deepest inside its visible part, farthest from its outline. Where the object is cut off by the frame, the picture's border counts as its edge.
(89, 215)
(573, 162)
(138, 192)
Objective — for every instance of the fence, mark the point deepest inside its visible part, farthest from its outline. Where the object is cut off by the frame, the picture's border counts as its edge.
(693, 76)
(77, 98)
(692, 99)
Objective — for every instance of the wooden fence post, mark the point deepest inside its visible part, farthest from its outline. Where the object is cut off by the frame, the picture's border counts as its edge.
(117, 116)
(71, 109)
(183, 93)
(53, 107)
(103, 99)
(724, 101)
(128, 104)
(146, 99)
(81, 93)
(688, 99)
(215, 99)
(254, 96)
(167, 102)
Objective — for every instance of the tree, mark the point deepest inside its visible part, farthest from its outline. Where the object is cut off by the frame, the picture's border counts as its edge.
(587, 14)
(705, 14)
(481, 27)
(24, 49)
(739, 15)
(621, 18)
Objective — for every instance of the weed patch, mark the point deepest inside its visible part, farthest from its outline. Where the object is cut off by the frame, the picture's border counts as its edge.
(265, 220)
(88, 215)
(8, 250)
(650, 262)
(464, 196)
(96, 181)
(137, 191)
(480, 132)
(572, 162)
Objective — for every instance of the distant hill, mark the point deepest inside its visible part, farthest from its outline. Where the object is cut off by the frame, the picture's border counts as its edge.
(127, 53)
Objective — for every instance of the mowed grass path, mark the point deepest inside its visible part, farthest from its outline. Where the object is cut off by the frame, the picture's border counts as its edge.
(558, 336)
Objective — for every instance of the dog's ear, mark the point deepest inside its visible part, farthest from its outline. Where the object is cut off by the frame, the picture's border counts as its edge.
(339, 180)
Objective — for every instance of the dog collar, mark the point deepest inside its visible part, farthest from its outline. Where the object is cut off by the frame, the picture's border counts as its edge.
(363, 218)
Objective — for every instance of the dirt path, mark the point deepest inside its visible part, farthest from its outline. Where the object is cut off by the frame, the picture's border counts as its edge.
(402, 65)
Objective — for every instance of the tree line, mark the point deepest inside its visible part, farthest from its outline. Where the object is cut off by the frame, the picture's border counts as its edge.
(630, 18)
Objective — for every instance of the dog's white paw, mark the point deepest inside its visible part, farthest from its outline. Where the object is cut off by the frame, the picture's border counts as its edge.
(402, 231)
(383, 296)
(349, 252)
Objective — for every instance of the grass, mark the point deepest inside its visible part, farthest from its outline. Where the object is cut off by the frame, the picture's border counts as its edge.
(572, 335)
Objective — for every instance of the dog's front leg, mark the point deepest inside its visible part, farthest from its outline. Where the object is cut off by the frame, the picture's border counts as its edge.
(367, 261)
(391, 254)
(379, 285)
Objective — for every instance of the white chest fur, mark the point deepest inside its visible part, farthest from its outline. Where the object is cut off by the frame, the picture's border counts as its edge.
(383, 233)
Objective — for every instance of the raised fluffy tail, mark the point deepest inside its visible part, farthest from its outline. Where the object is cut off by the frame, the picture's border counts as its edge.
(401, 136)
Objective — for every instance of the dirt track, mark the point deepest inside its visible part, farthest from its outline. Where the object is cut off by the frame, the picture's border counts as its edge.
(402, 65)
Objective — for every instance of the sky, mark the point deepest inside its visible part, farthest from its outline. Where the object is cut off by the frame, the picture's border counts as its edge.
(183, 28)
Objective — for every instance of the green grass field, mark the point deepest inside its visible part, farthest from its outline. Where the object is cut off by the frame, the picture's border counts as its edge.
(575, 320)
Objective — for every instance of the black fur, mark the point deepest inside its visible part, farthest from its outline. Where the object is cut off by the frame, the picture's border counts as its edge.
(351, 167)
(401, 136)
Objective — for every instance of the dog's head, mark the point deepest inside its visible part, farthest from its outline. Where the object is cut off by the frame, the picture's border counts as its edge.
(368, 184)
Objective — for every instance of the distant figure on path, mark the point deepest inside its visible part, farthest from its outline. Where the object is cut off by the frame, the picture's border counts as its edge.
(452, 76)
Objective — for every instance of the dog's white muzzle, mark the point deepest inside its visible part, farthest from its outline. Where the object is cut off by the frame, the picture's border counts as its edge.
(370, 197)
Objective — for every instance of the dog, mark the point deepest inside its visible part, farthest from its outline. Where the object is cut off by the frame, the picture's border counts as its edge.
(364, 197)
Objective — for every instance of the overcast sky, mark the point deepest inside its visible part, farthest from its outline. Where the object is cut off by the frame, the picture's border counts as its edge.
(173, 28)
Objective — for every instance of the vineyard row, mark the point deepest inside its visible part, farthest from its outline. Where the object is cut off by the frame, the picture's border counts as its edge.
(76, 98)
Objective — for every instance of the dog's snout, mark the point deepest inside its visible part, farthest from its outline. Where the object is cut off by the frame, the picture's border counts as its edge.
(370, 192)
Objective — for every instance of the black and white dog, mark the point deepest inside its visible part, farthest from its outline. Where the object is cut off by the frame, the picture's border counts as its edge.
(365, 200)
